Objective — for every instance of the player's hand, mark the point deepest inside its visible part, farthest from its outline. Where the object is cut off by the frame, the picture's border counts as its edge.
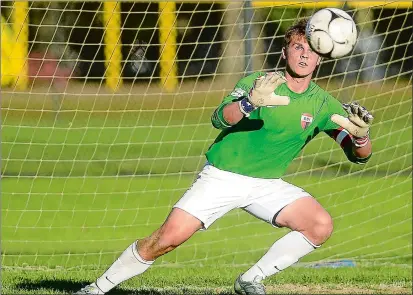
(358, 122)
(262, 94)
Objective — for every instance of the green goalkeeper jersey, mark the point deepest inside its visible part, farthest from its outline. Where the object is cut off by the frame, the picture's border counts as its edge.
(264, 144)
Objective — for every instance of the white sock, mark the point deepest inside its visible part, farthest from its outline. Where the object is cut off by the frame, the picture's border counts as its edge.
(128, 265)
(283, 253)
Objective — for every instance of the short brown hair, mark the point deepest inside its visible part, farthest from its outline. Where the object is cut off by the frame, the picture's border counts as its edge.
(297, 29)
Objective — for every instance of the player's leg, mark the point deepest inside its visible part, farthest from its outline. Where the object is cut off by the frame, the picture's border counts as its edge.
(310, 226)
(140, 255)
(214, 193)
(178, 227)
(291, 207)
(308, 217)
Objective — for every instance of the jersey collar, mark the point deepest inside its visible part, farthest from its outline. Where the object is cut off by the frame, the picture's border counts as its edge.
(296, 95)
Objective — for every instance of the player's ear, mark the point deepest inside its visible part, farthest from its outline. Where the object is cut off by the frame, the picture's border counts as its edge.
(283, 54)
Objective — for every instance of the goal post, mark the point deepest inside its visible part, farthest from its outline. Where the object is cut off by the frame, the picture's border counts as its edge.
(113, 44)
(106, 118)
(15, 46)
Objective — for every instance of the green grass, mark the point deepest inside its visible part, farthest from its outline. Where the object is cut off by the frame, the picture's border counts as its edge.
(219, 280)
(80, 184)
(42, 229)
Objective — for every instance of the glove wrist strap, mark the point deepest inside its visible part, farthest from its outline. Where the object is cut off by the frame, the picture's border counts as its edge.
(245, 106)
(361, 141)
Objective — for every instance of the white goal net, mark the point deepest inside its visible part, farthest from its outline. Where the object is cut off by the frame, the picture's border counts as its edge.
(106, 118)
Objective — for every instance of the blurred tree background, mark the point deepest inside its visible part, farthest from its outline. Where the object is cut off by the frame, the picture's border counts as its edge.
(72, 33)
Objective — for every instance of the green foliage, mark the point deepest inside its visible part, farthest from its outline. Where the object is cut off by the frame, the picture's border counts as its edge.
(286, 17)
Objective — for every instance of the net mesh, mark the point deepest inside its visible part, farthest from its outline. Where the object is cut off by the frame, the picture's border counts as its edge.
(106, 118)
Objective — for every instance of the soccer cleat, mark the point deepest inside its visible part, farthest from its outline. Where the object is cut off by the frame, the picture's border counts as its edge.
(249, 288)
(90, 289)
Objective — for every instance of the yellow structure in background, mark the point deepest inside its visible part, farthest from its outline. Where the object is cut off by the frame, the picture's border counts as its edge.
(113, 44)
(167, 39)
(308, 4)
(21, 37)
(385, 4)
(168, 33)
(14, 47)
(321, 4)
(6, 53)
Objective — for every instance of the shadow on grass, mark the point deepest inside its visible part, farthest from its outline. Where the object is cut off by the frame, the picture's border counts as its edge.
(69, 287)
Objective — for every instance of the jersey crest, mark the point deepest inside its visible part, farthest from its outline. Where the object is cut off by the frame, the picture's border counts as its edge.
(238, 92)
(306, 120)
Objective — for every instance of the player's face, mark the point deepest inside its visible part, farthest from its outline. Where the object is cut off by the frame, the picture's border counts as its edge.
(301, 59)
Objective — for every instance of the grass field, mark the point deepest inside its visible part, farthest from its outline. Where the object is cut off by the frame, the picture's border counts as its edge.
(79, 184)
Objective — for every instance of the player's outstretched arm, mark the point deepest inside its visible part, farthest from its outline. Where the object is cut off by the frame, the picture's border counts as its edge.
(244, 102)
(262, 93)
(354, 133)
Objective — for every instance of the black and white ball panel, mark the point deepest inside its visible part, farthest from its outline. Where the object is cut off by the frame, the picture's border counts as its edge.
(331, 32)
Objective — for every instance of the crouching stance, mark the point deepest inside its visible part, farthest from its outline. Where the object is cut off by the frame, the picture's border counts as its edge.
(266, 121)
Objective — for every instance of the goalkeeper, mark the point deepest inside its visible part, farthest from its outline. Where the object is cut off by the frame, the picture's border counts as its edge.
(266, 121)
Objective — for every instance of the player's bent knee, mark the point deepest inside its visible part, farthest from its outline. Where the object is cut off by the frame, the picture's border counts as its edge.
(322, 228)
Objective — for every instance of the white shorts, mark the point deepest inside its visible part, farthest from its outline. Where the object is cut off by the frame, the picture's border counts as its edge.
(216, 192)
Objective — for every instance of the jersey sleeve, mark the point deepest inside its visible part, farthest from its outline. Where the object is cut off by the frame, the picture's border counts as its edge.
(241, 89)
(339, 134)
(334, 107)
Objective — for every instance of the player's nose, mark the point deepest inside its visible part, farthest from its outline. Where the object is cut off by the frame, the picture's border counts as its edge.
(305, 53)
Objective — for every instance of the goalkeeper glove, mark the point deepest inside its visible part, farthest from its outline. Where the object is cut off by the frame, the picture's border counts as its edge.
(357, 124)
(262, 93)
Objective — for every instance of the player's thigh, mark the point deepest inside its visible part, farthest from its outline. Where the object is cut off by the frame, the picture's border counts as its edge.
(305, 214)
(214, 193)
(270, 197)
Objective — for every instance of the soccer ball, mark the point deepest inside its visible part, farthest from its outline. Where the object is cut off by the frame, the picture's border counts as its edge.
(331, 33)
